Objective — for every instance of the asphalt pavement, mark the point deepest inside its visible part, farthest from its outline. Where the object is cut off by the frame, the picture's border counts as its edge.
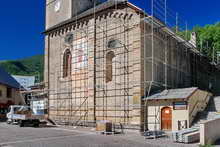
(14, 136)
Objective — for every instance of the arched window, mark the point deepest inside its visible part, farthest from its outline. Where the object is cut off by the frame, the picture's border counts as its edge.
(114, 43)
(67, 62)
(109, 57)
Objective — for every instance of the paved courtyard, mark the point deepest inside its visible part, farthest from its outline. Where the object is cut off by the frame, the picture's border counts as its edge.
(14, 136)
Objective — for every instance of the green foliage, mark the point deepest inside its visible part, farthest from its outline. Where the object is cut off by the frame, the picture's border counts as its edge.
(32, 66)
(186, 34)
(208, 38)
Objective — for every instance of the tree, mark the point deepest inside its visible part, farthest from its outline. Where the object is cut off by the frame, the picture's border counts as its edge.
(208, 39)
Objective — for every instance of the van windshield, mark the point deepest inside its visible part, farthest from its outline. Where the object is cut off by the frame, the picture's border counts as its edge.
(16, 109)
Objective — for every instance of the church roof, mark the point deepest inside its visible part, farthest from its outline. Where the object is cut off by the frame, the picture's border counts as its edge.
(98, 8)
(25, 81)
(7, 79)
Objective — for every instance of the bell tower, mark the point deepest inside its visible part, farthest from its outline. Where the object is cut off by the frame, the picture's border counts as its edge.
(58, 11)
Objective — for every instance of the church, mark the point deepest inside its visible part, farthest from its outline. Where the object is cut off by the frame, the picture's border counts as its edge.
(103, 59)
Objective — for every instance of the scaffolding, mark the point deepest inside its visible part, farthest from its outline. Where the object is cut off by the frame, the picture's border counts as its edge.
(164, 55)
(167, 60)
(69, 97)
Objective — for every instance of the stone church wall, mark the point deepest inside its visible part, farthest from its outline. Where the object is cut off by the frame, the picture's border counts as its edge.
(86, 96)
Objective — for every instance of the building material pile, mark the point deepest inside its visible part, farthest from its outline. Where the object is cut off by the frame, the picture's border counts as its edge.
(104, 126)
(192, 137)
(186, 136)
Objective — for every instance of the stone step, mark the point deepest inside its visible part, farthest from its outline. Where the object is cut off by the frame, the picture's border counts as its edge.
(211, 111)
(214, 104)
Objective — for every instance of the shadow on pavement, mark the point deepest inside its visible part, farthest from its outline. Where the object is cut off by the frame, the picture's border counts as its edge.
(3, 119)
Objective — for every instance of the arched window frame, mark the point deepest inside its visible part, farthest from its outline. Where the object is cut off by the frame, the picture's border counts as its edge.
(109, 66)
(67, 63)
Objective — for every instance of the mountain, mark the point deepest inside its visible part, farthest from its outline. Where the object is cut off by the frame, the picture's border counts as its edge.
(31, 66)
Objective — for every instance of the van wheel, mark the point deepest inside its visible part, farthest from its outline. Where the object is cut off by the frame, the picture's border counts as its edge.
(21, 124)
(36, 123)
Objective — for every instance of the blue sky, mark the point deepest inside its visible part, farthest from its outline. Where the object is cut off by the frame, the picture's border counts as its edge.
(22, 22)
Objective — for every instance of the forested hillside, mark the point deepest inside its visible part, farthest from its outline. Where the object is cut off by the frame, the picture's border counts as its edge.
(32, 66)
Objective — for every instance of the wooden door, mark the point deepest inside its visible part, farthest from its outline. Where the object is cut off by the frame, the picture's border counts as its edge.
(166, 118)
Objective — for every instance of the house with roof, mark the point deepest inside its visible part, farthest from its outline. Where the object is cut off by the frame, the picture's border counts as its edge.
(9, 92)
(175, 109)
(25, 81)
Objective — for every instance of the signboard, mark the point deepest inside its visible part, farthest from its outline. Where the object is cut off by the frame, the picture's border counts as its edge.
(180, 105)
(38, 107)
